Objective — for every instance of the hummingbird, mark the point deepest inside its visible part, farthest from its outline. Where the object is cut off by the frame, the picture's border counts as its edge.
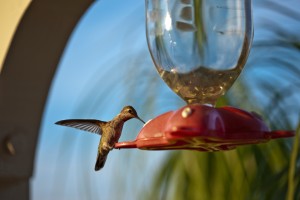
(110, 131)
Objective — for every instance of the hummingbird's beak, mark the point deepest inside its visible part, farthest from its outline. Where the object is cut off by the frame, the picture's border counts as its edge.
(140, 119)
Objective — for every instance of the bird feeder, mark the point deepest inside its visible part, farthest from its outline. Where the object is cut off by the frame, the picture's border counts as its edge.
(199, 49)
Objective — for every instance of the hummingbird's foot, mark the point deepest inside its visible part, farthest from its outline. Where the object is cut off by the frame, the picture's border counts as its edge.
(107, 147)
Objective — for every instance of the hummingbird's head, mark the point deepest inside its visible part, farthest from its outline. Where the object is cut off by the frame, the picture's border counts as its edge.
(129, 112)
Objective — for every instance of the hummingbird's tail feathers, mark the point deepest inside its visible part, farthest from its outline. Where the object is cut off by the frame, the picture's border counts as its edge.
(90, 125)
(100, 162)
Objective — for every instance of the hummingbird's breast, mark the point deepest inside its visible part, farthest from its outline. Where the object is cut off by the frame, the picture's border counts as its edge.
(118, 132)
(114, 132)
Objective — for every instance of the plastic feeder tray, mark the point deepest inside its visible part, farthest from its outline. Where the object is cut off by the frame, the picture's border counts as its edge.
(203, 128)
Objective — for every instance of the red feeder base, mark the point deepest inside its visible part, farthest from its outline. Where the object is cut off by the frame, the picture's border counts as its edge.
(203, 128)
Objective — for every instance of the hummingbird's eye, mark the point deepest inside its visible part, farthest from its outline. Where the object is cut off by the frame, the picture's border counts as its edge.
(130, 111)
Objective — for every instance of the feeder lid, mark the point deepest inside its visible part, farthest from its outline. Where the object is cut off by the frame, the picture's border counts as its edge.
(203, 128)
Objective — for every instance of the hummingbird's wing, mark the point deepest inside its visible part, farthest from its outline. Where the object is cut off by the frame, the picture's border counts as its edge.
(90, 125)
